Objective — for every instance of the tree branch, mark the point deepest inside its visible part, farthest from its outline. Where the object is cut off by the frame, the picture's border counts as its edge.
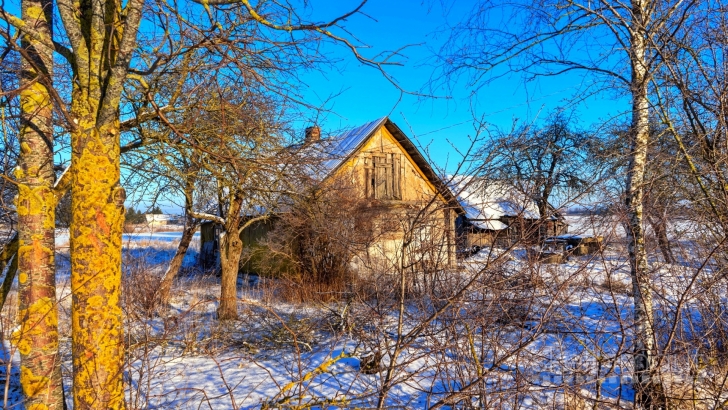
(119, 71)
(252, 221)
(208, 217)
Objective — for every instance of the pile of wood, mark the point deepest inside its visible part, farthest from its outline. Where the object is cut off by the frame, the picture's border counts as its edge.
(558, 249)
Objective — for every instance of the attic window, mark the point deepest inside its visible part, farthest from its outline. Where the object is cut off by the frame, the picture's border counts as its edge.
(383, 177)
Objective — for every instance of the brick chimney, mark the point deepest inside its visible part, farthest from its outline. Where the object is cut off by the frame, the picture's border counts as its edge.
(313, 134)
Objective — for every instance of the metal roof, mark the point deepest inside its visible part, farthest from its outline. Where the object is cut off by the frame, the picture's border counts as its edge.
(345, 144)
(486, 201)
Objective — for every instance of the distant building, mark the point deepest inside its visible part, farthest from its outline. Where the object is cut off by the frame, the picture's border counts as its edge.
(498, 214)
(160, 219)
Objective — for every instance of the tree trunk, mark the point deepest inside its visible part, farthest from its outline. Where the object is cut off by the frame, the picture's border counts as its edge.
(659, 225)
(9, 255)
(231, 246)
(37, 337)
(648, 388)
(184, 243)
(190, 225)
(172, 271)
(97, 201)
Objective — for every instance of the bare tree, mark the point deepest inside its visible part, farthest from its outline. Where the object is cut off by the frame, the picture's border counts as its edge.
(246, 170)
(549, 38)
(544, 163)
(37, 337)
(663, 175)
(691, 104)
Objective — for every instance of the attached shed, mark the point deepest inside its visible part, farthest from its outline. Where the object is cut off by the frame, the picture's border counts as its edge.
(252, 236)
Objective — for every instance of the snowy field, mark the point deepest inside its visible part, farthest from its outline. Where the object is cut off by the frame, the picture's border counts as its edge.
(133, 238)
(521, 335)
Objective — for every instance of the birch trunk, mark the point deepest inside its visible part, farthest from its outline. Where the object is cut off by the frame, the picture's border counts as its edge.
(37, 337)
(646, 385)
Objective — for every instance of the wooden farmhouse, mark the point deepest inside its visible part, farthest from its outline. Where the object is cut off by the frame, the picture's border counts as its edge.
(407, 204)
(496, 214)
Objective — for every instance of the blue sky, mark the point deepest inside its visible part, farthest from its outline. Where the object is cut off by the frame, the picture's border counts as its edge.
(363, 94)
(353, 94)
(441, 124)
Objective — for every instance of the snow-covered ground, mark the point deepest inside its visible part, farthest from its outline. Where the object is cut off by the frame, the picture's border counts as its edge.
(519, 335)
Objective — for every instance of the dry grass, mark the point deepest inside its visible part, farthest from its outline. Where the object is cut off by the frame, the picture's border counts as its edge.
(614, 286)
(298, 291)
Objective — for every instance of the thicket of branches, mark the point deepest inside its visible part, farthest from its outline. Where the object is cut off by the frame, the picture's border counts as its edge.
(195, 102)
(99, 86)
(317, 237)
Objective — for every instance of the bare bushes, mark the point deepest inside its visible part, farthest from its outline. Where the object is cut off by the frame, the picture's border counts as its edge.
(694, 339)
(311, 246)
(141, 283)
(141, 291)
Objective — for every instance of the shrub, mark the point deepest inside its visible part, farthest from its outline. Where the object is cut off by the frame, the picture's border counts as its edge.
(313, 243)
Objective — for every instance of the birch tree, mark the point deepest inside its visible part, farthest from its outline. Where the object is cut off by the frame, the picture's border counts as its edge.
(618, 46)
(663, 176)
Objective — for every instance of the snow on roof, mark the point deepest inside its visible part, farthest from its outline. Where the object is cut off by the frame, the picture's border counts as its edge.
(327, 154)
(346, 143)
(489, 225)
(485, 202)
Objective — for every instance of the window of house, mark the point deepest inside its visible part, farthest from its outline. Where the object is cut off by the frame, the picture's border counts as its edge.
(383, 176)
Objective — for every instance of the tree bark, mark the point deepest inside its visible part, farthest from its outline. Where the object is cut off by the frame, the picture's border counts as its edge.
(102, 36)
(231, 247)
(648, 388)
(97, 201)
(37, 337)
